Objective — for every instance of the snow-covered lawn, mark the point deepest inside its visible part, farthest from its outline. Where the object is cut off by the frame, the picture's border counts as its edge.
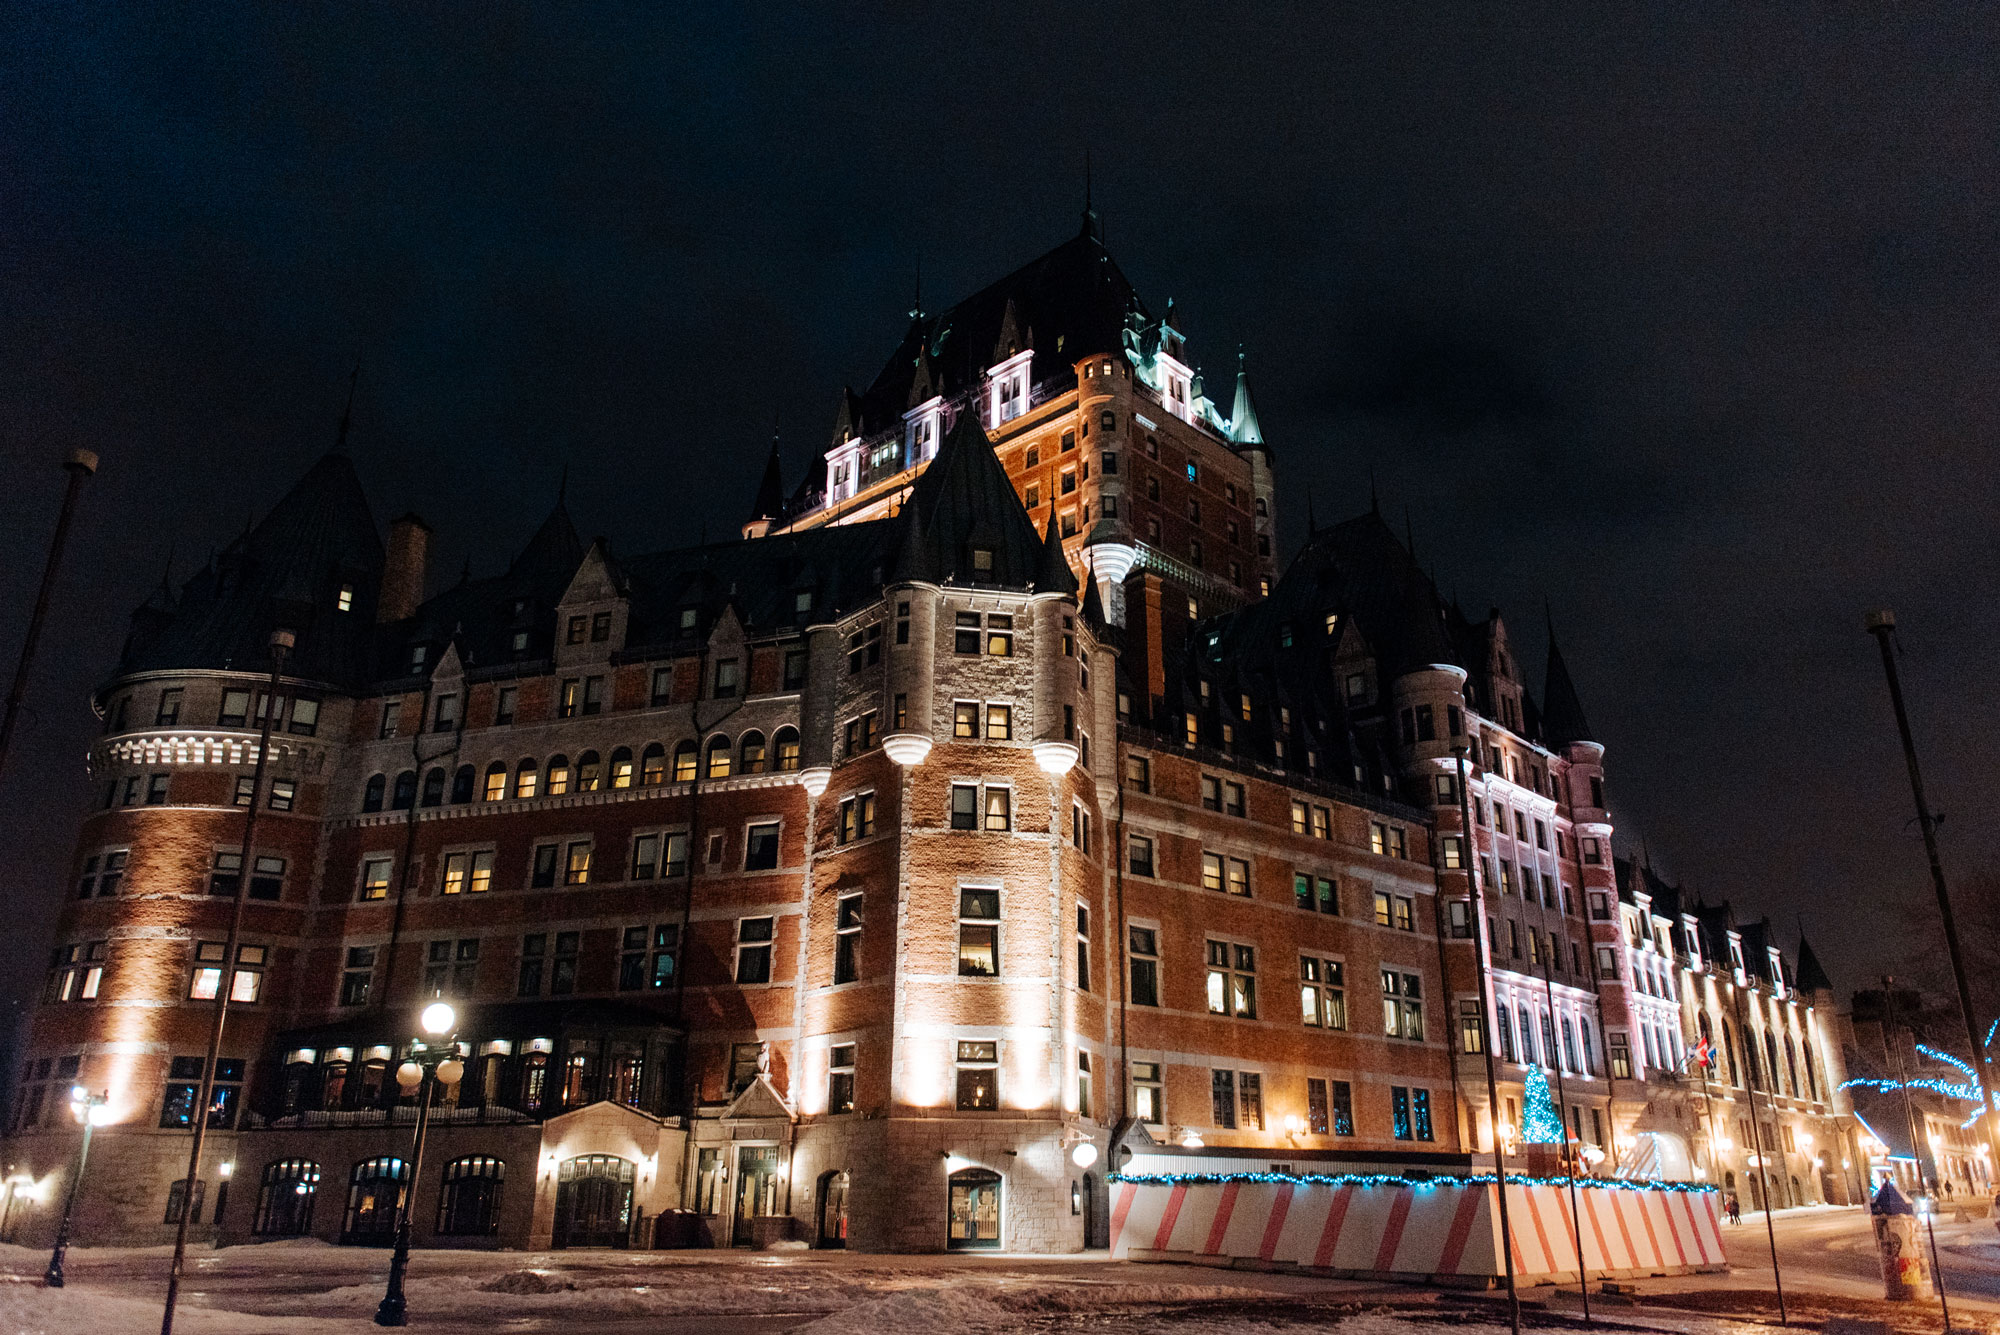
(310, 1288)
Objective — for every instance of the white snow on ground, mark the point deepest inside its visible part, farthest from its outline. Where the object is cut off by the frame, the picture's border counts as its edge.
(30, 1309)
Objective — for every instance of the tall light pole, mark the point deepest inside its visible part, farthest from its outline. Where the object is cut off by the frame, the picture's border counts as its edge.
(1757, 1136)
(433, 1061)
(281, 644)
(88, 1108)
(80, 465)
(1882, 625)
(1477, 912)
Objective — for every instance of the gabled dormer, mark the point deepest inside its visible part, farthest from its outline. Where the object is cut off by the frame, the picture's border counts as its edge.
(447, 706)
(923, 426)
(1007, 388)
(728, 658)
(592, 614)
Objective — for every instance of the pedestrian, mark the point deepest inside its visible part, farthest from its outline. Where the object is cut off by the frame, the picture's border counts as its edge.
(1733, 1208)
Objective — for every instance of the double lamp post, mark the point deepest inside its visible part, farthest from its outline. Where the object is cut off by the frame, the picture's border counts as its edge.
(433, 1061)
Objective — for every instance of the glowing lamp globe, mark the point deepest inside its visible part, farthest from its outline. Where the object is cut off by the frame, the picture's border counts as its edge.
(100, 1114)
(451, 1070)
(438, 1019)
(907, 749)
(1055, 757)
(1084, 1155)
(409, 1075)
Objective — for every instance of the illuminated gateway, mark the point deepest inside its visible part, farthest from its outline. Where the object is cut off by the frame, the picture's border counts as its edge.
(991, 816)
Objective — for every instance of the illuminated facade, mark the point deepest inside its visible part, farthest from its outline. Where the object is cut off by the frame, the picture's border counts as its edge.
(992, 812)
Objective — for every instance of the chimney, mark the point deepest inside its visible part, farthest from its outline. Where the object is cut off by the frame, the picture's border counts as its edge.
(403, 569)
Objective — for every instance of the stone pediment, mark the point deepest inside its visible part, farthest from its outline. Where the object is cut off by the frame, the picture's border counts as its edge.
(760, 1101)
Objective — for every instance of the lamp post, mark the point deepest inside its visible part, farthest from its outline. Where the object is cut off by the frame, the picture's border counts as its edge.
(433, 1060)
(88, 1108)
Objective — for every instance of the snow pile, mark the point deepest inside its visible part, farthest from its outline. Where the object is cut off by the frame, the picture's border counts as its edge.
(918, 1312)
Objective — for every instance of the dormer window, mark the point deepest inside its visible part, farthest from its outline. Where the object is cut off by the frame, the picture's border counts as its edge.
(418, 654)
(344, 601)
(687, 618)
(1008, 388)
(982, 560)
(923, 438)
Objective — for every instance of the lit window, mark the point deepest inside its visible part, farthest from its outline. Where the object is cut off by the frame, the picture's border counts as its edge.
(978, 932)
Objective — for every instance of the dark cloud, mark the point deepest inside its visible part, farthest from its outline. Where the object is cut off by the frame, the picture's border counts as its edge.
(1681, 319)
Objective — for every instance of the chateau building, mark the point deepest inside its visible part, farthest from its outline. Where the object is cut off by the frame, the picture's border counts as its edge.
(992, 815)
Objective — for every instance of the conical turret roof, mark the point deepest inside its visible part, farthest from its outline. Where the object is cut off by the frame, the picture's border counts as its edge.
(1562, 712)
(964, 505)
(770, 502)
(1243, 425)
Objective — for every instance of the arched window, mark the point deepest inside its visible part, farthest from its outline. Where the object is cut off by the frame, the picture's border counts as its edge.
(621, 767)
(461, 785)
(371, 796)
(496, 781)
(1792, 1066)
(558, 776)
(1771, 1051)
(684, 763)
(527, 778)
(718, 759)
(589, 772)
(751, 750)
(406, 790)
(469, 1203)
(653, 765)
(374, 1192)
(1731, 1071)
(285, 1199)
(785, 742)
(434, 787)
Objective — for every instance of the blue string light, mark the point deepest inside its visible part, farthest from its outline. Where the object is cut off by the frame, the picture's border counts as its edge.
(1397, 1180)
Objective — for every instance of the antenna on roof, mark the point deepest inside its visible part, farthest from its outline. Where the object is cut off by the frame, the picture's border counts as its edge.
(347, 413)
(917, 299)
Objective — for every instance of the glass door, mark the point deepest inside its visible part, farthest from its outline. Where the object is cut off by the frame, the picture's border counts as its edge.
(973, 1217)
(757, 1184)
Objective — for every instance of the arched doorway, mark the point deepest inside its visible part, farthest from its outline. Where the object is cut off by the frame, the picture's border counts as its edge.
(832, 1230)
(594, 1202)
(973, 1214)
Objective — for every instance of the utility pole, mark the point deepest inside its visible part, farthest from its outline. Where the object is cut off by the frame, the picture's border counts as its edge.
(80, 464)
(1882, 625)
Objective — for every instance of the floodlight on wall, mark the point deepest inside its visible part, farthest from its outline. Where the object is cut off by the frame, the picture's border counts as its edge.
(1055, 757)
(815, 780)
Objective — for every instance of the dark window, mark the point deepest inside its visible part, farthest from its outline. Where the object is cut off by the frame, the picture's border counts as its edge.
(761, 848)
(371, 796)
(1145, 951)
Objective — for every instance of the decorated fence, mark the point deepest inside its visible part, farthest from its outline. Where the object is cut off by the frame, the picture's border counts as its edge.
(1441, 1229)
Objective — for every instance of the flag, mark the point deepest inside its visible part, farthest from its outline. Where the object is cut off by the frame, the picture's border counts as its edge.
(1704, 1053)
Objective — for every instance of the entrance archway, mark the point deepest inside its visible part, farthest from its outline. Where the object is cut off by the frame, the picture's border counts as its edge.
(1096, 1217)
(594, 1202)
(832, 1229)
(757, 1187)
(973, 1214)
(374, 1192)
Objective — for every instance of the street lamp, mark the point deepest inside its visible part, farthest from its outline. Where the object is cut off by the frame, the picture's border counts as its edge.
(433, 1061)
(90, 1110)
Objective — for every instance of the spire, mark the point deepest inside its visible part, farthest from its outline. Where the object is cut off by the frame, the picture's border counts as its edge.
(912, 564)
(1093, 601)
(555, 549)
(1245, 428)
(1562, 712)
(917, 292)
(1091, 230)
(1052, 574)
(347, 413)
(770, 502)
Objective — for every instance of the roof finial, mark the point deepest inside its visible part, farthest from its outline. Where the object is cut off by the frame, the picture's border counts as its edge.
(1090, 227)
(917, 297)
(347, 413)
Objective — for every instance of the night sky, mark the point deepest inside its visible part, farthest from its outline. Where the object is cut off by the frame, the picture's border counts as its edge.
(1680, 318)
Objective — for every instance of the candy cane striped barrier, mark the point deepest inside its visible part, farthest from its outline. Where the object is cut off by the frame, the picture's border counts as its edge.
(1443, 1229)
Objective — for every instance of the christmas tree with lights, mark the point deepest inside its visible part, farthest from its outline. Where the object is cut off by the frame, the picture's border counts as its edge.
(1540, 1123)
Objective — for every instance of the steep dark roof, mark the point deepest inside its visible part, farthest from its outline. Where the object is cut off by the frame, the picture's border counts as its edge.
(964, 502)
(1812, 975)
(285, 572)
(1244, 428)
(1562, 712)
(770, 502)
(1380, 584)
(553, 549)
(1067, 304)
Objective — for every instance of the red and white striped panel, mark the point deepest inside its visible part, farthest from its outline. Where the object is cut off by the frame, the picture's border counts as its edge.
(1443, 1228)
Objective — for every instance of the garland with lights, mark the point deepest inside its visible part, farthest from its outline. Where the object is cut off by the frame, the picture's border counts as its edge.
(1397, 1180)
(1967, 1091)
